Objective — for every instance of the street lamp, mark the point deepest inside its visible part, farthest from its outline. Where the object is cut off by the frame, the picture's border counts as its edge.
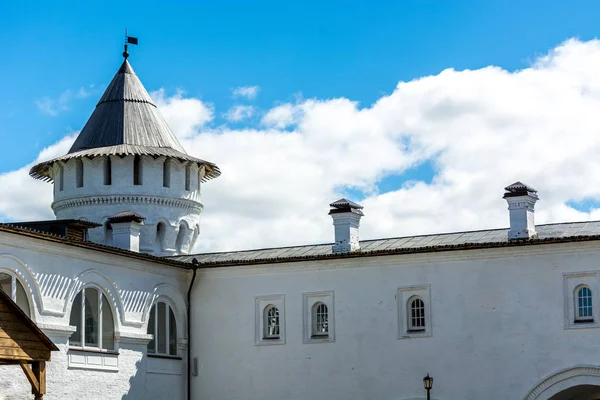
(428, 383)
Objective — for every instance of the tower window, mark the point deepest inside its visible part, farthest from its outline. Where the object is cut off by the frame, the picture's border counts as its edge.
(61, 178)
(137, 170)
(79, 173)
(179, 239)
(107, 171)
(166, 174)
(187, 176)
(160, 236)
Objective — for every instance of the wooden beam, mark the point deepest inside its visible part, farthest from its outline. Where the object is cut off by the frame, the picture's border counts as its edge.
(39, 370)
(35, 384)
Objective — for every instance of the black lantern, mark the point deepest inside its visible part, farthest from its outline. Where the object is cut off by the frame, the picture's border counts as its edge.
(428, 384)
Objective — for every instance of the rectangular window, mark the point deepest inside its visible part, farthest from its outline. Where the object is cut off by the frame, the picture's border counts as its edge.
(107, 171)
(61, 178)
(91, 317)
(187, 177)
(162, 331)
(137, 170)
(79, 172)
(167, 174)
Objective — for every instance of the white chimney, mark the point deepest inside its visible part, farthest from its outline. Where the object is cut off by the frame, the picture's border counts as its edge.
(521, 207)
(126, 230)
(346, 221)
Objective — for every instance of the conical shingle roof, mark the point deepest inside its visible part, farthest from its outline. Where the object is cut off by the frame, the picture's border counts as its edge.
(125, 122)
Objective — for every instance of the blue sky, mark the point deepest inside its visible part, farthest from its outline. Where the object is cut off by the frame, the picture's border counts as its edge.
(420, 110)
(322, 49)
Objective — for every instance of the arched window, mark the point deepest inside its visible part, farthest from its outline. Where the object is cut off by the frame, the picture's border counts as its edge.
(108, 234)
(416, 314)
(92, 315)
(162, 325)
(320, 320)
(271, 324)
(167, 173)
(137, 170)
(160, 236)
(107, 171)
(61, 178)
(180, 237)
(188, 177)
(584, 311)
(10, 285)
(78, 173)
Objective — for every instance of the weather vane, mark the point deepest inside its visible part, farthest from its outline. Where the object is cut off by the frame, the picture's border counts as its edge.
(129, 40)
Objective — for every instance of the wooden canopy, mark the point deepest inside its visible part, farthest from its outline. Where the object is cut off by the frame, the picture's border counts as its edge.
(23, 343)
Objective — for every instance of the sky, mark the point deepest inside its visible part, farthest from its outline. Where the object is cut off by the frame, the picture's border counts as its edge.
(422, 111)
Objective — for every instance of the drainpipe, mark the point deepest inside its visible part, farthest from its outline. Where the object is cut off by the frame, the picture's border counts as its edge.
(189, 330)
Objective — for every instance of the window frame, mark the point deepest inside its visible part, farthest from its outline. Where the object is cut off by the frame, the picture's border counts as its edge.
(311, 302)
(79, 173)
(13, 292)
(412, 327)
(261, 305)
(93, 349)
(315, 312)
(267, 323)
(405, 296)
(168, 308)
(583, 318)
(572, 283)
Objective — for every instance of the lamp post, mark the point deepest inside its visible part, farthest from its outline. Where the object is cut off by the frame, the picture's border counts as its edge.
(428, 383)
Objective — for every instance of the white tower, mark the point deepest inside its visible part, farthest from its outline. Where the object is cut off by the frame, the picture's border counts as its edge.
(521, 201)
(126, 159)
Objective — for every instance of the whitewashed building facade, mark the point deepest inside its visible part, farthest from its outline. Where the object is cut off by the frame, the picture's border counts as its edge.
(495, 314)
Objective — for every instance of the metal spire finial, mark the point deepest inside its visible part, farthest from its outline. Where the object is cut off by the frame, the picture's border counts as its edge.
(128, 40)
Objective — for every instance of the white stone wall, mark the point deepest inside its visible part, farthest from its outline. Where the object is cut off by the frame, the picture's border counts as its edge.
(179, 209)
(498, 330)
(52, 275)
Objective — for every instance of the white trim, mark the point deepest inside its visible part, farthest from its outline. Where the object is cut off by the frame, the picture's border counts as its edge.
(560, 381)
(261, 303)
(309, 300)
(405, 295)
(571, 282)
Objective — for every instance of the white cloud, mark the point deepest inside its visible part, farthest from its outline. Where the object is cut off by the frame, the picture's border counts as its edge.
(248, 92)
(62, 103)
(238, 113)
(481, 129)
(185, 114)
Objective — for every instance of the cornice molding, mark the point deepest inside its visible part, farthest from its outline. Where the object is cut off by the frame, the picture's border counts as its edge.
(103, 200)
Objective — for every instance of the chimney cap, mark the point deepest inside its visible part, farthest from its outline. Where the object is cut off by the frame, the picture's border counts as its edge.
(344, 205)
(519, 189)
(126, 216)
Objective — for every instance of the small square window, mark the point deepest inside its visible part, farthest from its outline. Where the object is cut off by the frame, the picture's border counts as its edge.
(270, 319)
(318, 317)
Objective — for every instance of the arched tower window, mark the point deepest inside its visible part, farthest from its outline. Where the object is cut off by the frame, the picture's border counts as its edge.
(416, 314)
(271, 323)
(320, 320)
(166, 174)
(108, 234)
(160, 236)
(107, 171)
(10, 285)
(92, 315)
(137, 170)
(180, 237)
(584, 310)
(162, 325)
(188, 177)
(78, 173)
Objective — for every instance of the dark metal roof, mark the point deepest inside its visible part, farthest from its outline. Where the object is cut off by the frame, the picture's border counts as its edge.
(550, 233)
(519, 189)
(126, 216)
(344, 203)
(125, 121)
